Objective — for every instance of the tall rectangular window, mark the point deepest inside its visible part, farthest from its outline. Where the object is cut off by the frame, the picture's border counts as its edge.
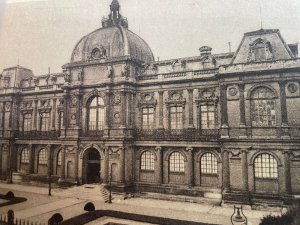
(207, 117)
(176, 117)
(147, 118)
(27, 122)
(45, 121)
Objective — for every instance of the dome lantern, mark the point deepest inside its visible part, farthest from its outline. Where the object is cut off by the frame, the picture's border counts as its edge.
(115, 18)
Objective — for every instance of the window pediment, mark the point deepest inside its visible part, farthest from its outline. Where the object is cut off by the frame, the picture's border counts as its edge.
(175, 97)
(146, 100)
(207, 94)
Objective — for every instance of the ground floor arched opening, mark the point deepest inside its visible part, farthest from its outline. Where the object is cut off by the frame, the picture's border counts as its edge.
(91, 166)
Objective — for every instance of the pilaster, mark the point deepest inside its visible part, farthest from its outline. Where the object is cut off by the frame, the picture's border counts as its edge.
(159, 166)
(160, 110)
(106, 165)
(224, 111)
(190, 105)
(226, 172)
(287, 173)
(245, 169)
(122, 164)
(190, 167)
(63, 163)
(284, 115)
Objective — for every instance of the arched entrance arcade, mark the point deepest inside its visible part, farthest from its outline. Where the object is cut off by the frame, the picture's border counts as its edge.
(91, 166)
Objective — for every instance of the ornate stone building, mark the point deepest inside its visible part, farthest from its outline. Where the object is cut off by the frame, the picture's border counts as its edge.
(214, 125)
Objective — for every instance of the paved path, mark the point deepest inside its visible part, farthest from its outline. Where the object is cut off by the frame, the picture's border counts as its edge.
(70, 202)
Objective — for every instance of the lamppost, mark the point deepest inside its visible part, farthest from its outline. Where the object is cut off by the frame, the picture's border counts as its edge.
(238, 217)
(49, 184)
(110, 178)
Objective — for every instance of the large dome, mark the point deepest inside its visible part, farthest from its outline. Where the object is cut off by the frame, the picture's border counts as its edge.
(109, 42)
(112, 40)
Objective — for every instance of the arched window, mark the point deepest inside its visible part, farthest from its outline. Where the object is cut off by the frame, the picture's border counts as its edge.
(265, 166)
(24, 156)
(96, 114)
(208, 163)
(42, 157)
(263, 111)
(176, 162)
(147, 161)
(59, 158)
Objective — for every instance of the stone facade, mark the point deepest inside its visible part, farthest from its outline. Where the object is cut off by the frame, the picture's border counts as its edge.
(214, 125)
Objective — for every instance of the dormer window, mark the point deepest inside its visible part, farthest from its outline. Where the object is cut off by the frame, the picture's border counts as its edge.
(260, 50)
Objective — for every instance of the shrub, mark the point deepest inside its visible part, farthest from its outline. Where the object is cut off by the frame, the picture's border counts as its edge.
(89, 207)
(291, 217)
(10, 195)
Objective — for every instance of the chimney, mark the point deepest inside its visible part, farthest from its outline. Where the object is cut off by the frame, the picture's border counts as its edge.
(294, 49)
(205, 50)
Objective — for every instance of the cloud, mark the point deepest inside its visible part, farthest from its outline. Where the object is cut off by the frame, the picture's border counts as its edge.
(17, 1)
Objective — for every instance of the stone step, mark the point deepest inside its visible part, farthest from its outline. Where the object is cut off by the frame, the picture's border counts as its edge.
(179, 198)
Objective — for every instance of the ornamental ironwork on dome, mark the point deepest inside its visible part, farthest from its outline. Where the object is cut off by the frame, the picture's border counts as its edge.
(112, 40)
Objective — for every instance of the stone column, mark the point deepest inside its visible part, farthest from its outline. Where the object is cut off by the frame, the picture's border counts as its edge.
(49, 160)
(128, 109)
(53, 114)
(190, 105)
(226, 172)
(160, 110)
(122, 164)
(63, 162)
(123, 109)
(34, 115)
(159, 166)
(30, 168)
(107, 119)
(284, 117)
(79, 111)
(1, 160)
(2, 114)
(9, 164)
(287, 173)
(76, 164)
(190, 167)
(66, 110)
(224, 111)
(245, 170)
(106, 165)
(242, 105)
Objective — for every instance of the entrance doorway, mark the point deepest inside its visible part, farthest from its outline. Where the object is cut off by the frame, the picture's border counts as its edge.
(92, 166)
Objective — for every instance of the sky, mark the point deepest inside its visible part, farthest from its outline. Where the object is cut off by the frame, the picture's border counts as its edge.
(38, 34)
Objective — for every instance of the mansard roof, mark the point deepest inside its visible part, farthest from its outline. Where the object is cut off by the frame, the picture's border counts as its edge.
(275, 45)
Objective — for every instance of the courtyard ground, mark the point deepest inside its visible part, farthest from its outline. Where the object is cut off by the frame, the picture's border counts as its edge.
(70, 202)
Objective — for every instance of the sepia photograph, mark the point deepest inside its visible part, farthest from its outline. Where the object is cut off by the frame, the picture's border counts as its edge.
(136, 112)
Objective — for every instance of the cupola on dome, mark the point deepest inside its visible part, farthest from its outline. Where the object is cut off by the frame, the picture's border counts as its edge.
(112, 40)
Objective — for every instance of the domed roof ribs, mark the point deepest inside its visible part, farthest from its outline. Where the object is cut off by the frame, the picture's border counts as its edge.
(126, 42)
(115, 18)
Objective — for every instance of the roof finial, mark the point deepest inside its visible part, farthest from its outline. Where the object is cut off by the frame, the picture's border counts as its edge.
(115, 18)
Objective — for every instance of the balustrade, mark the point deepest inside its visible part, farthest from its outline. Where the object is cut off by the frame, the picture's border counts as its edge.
(33, 134)
(178, 134)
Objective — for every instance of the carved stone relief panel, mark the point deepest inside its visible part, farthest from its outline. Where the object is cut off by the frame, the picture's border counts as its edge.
(292, 89)
(233, 92)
